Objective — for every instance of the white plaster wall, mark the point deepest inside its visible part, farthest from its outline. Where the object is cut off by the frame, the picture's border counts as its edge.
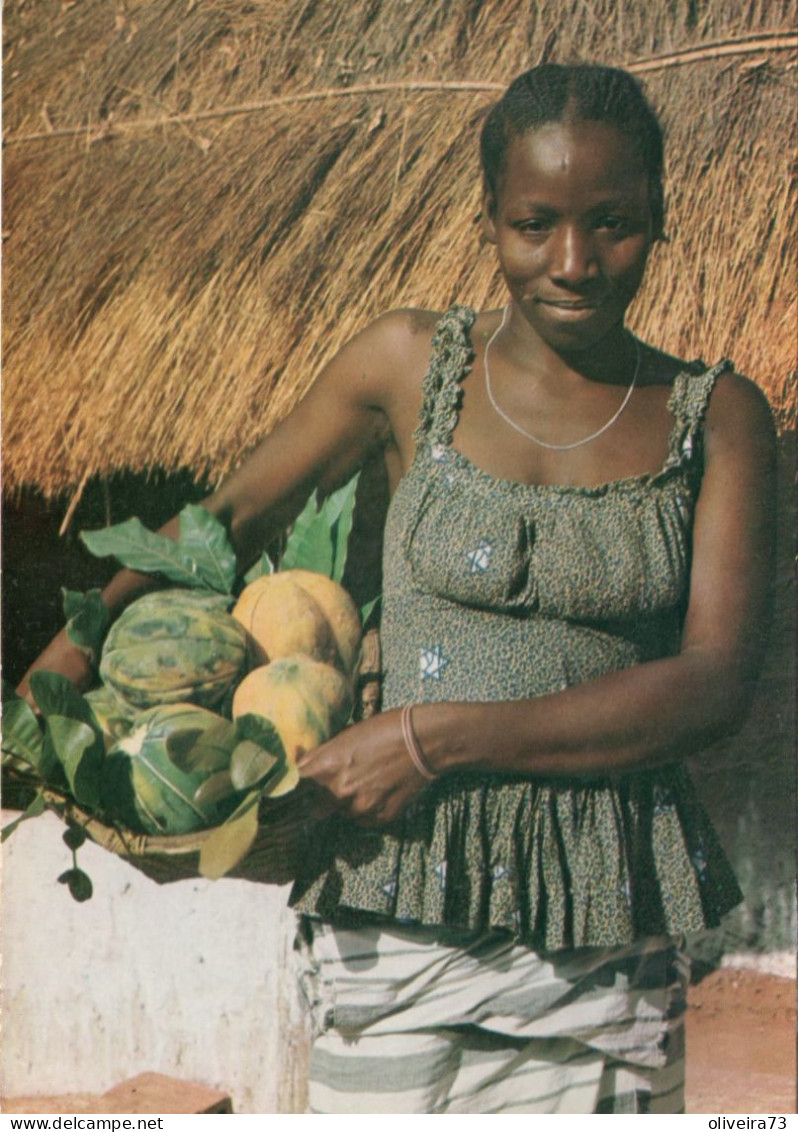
(192, 979)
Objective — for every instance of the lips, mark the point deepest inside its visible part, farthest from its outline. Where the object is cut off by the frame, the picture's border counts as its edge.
(571, 304)
(571, 310)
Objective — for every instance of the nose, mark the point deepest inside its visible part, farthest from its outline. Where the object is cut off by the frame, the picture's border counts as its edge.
(573, 256)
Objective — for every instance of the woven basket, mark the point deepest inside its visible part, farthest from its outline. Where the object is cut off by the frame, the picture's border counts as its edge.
(286, 825)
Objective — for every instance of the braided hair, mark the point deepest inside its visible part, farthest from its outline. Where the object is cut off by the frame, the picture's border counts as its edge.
(559, 92)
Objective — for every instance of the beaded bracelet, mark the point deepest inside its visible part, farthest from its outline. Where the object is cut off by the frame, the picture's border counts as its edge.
(411, 743)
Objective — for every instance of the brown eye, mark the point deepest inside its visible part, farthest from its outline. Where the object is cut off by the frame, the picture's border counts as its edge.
(533, 227)
(611, 223)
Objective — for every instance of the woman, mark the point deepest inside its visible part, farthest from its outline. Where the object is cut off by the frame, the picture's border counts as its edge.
(577, 558)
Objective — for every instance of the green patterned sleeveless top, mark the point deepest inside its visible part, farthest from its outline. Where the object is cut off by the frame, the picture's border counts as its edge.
(497, 590)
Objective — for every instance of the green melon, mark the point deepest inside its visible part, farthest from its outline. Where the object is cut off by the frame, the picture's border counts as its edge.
(151, 776)
(174, 646)
(114, 717)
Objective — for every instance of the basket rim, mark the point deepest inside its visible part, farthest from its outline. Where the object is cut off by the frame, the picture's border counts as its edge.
(118, 838)
(128, 843)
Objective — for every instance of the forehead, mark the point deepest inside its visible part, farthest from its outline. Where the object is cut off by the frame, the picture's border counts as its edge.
(582, 157)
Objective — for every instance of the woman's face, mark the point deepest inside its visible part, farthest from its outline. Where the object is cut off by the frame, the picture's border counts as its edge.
(572, 227)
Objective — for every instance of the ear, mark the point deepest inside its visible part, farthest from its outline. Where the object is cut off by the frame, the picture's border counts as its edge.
(487, 218)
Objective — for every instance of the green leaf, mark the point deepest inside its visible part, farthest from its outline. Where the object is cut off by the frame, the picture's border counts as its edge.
(56, 774)
(74, 836)
(204, 540)
(80, 753)
(367, 610)
(80, 886)
(139, 549)
(215, 789)
(194, 750)
(251, 765)
(309, 545)
(319, 537)
(87, 620)
(264, 565)
(36, 807)
(72, 601)
(230, 842)
(342, 502)
(260, 730)
(259, 755)
(55, 695)
(22, 733)
(72, 737)
(315, 552)
(304, 519)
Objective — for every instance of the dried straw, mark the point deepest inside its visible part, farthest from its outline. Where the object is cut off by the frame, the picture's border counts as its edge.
(176, 271)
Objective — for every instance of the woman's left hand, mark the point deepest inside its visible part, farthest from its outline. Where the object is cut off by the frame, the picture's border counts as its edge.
(367, 770)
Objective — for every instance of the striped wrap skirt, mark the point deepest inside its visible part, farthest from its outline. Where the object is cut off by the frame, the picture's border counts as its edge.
(429, 1020)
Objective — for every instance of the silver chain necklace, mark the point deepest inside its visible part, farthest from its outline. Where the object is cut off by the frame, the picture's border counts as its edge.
(536, 439)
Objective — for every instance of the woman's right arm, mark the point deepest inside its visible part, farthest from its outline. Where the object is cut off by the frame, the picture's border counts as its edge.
(345, 417)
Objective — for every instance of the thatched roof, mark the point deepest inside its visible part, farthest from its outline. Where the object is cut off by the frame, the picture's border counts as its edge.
(204, 199)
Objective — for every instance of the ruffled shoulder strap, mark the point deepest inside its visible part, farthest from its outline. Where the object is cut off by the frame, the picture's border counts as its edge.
(450, 360)
(687, 405)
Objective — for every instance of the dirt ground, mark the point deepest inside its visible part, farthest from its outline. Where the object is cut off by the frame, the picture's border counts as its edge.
(741, 1044)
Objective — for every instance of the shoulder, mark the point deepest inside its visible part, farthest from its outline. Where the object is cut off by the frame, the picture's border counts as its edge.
(739, 413)
(386, 351)
(730, 409)
(402, 330)
(398, 345)
(737, 401)
(726, 401)
(392, 345)
(739, 425)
